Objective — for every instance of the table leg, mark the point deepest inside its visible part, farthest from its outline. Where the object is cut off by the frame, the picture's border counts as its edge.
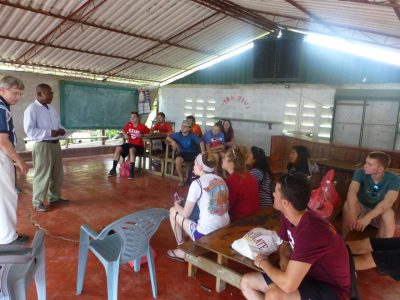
(220, 285)
(192, 270)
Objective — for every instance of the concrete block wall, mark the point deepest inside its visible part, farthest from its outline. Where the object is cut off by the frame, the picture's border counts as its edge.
(264, 102)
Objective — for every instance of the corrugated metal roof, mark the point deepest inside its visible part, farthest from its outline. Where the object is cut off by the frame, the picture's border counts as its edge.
(153, 40)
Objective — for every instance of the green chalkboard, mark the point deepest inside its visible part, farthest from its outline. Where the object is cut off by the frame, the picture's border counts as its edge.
(95, 106)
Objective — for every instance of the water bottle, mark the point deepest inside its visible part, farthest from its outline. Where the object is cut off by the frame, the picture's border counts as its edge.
(325, 190)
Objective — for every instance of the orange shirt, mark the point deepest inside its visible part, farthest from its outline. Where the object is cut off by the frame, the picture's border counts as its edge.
(197, 130)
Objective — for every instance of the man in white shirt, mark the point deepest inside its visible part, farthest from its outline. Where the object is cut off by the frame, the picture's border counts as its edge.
(42, 124)
(11, 89)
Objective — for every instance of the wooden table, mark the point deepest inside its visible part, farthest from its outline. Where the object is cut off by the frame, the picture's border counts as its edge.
(220, 241)
(150, 154)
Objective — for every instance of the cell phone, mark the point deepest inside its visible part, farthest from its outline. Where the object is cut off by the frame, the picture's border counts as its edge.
(177, 197)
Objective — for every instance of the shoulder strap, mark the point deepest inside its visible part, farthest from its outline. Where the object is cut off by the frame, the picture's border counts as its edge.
(201, 189)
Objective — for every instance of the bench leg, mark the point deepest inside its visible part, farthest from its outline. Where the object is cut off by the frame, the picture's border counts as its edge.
(220, 285)
(192, 270)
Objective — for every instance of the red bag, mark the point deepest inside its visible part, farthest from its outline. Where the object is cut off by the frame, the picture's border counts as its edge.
(325, 198)
(124, 169)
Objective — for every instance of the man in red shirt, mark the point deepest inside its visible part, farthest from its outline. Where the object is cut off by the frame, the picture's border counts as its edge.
(161, 126)
(132, 133)
(313, 259)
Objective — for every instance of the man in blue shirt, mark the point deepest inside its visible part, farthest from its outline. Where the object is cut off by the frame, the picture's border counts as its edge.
(10, 92)
(371, 196)
(185, 143)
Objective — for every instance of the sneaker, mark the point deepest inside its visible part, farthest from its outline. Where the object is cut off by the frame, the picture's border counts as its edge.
(112, 173)
(40, 208)
(59, 201)
(20, 240)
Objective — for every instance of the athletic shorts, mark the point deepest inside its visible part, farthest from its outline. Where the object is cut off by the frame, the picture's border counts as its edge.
(194, 234)
(364, 210)
(187, 156)
(386, 255)
(127, 146)
(312, 290)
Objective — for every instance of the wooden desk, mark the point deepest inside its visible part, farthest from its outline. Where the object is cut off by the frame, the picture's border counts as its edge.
(150, 154)
(220, 241)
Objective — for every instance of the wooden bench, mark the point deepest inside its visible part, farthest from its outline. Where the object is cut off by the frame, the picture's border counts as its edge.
(219, 243)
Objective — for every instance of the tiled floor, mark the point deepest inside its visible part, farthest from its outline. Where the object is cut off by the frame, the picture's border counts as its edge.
(97, 200)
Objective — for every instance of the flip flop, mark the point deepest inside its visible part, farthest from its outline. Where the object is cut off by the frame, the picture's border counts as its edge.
(171, 254)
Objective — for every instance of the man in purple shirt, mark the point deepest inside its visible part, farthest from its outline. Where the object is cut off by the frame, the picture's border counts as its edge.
(314, 262)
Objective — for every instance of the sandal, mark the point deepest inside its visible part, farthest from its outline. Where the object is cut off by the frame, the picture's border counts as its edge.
(181, 183)
(171, 254)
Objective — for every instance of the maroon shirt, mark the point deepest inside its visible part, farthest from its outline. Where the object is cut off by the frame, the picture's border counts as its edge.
(243, 195)
(316, 242)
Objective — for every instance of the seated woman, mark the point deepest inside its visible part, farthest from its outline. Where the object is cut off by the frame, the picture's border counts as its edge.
(229, 134)
(258, 165)
(210, 192)
(299, 161)
(243, 188)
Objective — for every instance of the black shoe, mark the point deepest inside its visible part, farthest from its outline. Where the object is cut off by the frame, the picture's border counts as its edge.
(59, 201)
(112, 173)
(130, 177)
(40, 208)
(20, 240)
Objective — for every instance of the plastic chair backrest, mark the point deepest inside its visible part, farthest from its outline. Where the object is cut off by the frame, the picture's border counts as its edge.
(135, 231)
(12, 257)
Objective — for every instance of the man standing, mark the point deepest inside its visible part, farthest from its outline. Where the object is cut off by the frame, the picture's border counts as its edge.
(313, 259)
(132, 132)
(371, 196)
(42, 125)
(10, 92)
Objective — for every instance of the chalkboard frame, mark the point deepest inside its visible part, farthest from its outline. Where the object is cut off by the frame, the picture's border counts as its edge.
(65, 103)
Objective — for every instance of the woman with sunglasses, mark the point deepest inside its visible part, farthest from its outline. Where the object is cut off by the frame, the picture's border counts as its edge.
(210, 193)
(243, 188)
(259, 169)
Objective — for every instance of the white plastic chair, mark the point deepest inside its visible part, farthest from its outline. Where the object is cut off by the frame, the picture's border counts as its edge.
(19, 265)
(126, 239)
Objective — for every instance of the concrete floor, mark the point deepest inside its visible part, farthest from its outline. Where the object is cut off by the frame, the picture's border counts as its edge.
(97, 200)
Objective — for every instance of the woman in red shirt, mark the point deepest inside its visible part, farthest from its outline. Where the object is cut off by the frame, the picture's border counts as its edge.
(243, 188)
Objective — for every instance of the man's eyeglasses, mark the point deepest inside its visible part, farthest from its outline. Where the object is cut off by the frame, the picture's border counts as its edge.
(16, 93)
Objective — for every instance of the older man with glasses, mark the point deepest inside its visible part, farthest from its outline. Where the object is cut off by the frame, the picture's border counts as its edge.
(185, 143)
(11, 89)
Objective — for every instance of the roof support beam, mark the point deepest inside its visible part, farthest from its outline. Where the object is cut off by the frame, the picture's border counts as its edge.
(87, 52)
(201, 25)
(47, 13)
(240, 13)
(396, 8)
(84, 11)
(308, 20)
(388, 3)
(84, 72)
(310, 14)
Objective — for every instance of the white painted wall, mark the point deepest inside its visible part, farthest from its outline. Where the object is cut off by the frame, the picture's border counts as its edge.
(265, 102)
